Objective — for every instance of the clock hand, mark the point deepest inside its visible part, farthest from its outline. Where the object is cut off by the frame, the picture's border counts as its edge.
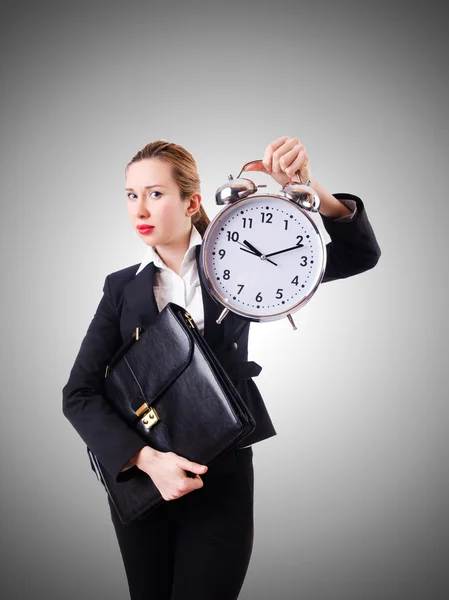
(254, 254)
(249, 251)
(251, 247)
(257, 252)
(254, 251)
(285, 250)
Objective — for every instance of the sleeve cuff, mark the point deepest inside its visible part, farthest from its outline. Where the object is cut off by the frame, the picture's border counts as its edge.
(352, 205)
(127, 472)
(128, 465)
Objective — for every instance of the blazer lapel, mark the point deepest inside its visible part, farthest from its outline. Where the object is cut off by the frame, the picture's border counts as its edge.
(139, 303)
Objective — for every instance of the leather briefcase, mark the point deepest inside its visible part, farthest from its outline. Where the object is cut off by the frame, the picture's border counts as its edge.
(167, 384)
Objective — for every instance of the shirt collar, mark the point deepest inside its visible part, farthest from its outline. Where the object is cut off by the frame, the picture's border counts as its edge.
(152, 256)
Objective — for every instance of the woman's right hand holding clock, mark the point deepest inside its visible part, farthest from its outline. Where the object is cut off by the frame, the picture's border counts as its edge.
(168, 472)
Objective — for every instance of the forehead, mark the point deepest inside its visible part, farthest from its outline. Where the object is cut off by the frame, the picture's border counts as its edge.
(149, 171)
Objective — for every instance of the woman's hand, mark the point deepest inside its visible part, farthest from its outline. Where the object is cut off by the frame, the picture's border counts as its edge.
(282, 159)
(168, 472)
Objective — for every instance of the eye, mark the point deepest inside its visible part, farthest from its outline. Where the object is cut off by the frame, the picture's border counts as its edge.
(133, 196)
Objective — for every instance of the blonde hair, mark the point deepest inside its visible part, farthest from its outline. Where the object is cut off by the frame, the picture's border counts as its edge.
(184, 172)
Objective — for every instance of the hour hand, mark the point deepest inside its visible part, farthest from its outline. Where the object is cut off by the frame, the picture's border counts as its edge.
(251, 247)
(253, 250)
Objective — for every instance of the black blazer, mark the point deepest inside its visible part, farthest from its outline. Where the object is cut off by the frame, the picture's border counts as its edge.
(128, 301)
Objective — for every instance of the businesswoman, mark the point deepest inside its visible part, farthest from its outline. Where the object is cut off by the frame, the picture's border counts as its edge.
(198, 543)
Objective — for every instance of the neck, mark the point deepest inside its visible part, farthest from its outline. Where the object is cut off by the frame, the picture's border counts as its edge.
(173, 253)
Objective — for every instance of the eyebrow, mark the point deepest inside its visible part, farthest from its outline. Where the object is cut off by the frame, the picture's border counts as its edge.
(147, 187)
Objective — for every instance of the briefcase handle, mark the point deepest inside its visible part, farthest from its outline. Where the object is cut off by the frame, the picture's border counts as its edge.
(123, 349)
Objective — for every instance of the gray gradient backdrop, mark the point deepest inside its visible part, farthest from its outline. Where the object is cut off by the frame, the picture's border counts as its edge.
(351, 496)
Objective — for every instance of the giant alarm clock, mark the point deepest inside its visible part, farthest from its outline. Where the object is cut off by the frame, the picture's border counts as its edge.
(262, 256)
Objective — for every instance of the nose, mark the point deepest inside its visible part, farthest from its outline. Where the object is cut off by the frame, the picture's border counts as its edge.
(141, 209)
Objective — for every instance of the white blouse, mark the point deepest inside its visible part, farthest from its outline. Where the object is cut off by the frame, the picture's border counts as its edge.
(183, 289)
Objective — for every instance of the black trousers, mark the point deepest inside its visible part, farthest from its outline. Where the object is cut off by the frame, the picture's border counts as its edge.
(197, 546)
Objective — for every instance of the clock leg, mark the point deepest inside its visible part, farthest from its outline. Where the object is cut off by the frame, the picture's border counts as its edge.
(290, 318)
(222, 316)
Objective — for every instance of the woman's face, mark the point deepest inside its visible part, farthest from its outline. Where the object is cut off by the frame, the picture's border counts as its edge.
(154, 199)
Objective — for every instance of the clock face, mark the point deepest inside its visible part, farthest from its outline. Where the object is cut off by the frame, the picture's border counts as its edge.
(263, 257)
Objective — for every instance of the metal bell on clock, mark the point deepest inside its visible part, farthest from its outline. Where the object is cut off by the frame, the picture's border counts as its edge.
(301, 194)
(234, 190)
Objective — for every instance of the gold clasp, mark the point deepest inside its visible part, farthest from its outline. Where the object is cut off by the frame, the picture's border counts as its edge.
(148, 415)
(190, 320)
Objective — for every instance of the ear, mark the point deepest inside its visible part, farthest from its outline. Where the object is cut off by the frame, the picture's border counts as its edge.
(194, 204)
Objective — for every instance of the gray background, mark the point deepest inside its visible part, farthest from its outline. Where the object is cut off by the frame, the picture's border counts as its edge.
(351, 496)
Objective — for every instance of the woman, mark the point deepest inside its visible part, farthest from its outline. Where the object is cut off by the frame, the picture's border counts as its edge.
(199, 542)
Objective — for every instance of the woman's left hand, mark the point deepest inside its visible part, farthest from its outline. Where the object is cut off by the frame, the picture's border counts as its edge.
(282, 158)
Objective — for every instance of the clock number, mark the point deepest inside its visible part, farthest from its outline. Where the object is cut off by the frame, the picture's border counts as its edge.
(286, 224)
(295, 280)
(249, 220)
(269, 217)
(241, 288)
(234, 236)
(222, 253)
(279, 292)
(300, 240)
(303, 264)
(226, 274)
(259, 297)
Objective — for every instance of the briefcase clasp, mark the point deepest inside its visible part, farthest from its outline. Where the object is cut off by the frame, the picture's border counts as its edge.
(148, 415)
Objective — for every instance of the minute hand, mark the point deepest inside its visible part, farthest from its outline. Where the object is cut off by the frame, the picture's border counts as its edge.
(285, 250)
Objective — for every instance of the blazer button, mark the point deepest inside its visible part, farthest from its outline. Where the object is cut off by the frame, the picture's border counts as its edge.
(234, 346)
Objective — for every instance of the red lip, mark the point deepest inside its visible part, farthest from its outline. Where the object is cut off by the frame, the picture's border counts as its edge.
(145, 228)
